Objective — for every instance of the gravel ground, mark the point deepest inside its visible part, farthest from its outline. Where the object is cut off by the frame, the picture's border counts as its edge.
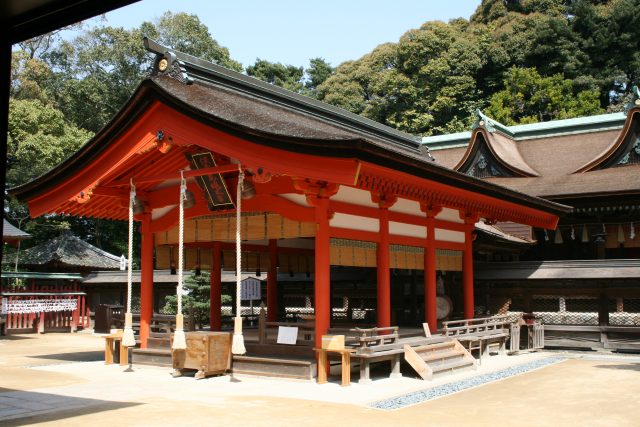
(454, 387)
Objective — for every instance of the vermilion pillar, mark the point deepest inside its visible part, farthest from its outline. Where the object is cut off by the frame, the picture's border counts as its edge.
(272, 282)
(383, 307)
(146, 279)
(215, 290)
(430, 315)
(467, 270)
(322, 284)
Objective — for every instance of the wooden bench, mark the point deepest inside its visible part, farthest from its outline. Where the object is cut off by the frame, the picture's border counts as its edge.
(480, 333)
(111, 343)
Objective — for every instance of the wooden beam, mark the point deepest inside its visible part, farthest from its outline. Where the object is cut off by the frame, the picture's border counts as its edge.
(176, 175)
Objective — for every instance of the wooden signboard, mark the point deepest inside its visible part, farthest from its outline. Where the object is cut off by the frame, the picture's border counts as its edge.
(213, 186)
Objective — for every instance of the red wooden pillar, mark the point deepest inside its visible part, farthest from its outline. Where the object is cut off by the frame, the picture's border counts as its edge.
(215, 290)
(430, 315)
(383, 307)
(146, 279)
(467, 269)
(322, 283)
(272, 282)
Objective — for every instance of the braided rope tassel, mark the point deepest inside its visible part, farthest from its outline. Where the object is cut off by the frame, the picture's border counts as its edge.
(179, 339)
(128, 339)
(237, 346)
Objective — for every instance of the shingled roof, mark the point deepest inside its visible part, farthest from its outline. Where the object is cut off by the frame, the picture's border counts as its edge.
(269, 116)
(12, 234)
(562, 155)
(68, 251)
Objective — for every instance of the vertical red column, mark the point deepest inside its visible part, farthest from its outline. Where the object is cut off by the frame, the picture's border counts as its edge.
(430, 315)
(322, 283)
(146, 279)
(215, 290)
(272, 282)
(467, 270)
(383, 307)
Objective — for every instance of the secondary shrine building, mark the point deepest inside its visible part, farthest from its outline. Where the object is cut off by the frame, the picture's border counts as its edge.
(323, 188)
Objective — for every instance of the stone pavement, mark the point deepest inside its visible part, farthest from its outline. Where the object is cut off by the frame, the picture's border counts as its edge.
(43, 381)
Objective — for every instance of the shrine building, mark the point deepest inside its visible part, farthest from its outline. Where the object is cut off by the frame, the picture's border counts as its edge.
(324, 187)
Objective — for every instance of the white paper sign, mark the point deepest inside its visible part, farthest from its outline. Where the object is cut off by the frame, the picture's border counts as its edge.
(4, 306)
(38, 306)
(287, 335)
(250, 289)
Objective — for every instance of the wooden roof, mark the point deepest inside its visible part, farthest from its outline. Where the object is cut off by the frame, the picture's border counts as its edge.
(563, 160)
(11, 233)
(189, 104)
(69, 251)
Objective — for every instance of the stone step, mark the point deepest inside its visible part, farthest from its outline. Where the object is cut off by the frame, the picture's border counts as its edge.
(151, 356)
(302, 369)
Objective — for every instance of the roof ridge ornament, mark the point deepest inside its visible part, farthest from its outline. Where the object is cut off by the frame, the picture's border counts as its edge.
(491, 125)
(167, 63)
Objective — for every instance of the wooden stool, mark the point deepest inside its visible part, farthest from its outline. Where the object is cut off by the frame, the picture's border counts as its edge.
(110, 343)
(345, 364)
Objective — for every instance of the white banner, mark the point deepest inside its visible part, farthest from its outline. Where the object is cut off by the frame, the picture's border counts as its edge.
(37, 305)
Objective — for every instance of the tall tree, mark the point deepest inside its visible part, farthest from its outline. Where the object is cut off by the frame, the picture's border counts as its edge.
(529, 98)
(286, 76)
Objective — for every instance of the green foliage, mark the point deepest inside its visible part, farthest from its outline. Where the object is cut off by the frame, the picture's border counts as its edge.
(196, 300)
(529, 98)
(38, 139)
(187, 34)
(286, 76)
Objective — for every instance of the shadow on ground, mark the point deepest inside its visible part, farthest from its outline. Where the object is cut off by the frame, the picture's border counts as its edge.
(19, 407)
(81, 356)
(14, 337)
(624, 367)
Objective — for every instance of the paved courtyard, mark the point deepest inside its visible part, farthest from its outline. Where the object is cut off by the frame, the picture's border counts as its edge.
(57, 379)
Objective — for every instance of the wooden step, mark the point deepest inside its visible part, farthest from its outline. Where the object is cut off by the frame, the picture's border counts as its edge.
(450, 367)
(441, 355)
(151, 356)
(437, 358)
(303, 369)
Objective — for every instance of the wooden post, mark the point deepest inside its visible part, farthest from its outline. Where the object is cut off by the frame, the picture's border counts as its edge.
(383, 307)
(146, 280)
(322, 283)
(215, 290)
(430, 315)
(467, 270)
(272, 282)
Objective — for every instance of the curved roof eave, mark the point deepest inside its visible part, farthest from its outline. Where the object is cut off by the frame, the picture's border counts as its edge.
(363, 146)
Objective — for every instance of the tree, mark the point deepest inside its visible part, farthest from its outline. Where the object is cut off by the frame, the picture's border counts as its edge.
(186, 33)
(318, 72)
(38, 139)
(529, 98)
(196, 299)
(286, 76)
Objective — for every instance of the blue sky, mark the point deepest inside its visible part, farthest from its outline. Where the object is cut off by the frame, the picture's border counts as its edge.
(292, 32)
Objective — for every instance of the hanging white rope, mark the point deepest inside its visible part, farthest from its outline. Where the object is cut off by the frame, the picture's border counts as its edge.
(237, 346)
(179, 339)
(128, 340)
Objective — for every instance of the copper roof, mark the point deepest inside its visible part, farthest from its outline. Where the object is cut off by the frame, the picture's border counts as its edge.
(563, 159)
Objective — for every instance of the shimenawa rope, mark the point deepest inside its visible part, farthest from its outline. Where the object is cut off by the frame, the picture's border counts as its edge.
(179, 339)
(237, 346)
(128, 340)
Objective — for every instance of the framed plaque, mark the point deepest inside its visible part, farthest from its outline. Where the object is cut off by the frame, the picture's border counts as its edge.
(213, 186)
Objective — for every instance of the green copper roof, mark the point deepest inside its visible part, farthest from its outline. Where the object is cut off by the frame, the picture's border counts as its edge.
(578, 125)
